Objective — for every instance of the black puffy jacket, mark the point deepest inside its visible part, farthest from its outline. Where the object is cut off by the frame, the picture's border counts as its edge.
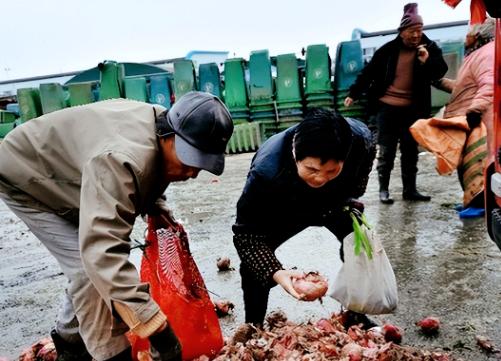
(275, 197)
(379, 74)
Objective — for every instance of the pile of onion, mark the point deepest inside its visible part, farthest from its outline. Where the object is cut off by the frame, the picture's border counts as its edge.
(313, 286)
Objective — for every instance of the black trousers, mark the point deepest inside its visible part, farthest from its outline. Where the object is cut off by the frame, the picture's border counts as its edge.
(393, 128)
(255, 293)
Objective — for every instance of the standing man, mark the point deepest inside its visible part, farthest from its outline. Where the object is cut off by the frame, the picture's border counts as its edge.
(301, 177)
(78, 178)
(397, 81)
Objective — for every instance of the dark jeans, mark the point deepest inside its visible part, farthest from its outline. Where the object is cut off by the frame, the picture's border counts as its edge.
(393, 128)
(255, 293)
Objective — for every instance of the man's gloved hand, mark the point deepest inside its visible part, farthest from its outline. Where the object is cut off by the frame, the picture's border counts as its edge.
(159, 206)
(160, 209)
(165, 346)
(473, 119)
(355, 203)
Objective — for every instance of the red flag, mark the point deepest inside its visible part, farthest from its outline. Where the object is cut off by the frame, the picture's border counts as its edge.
(477, 12)
(452, 3)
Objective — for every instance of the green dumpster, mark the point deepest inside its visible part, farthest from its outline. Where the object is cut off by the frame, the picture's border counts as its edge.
(135, 88)
(52, 97)
(210, 79)
(288, 82)
(29, 103)
(318, 70)
(160, 91)
(260, 79)
(112, 77)
(184, 77)
(349, 63)
(7, 117)
(235, 90)
(5, 128)
(7, 122)
(80, 93)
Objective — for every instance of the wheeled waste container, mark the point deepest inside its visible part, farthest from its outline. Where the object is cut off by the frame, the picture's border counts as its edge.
(210, 79)
(52, 97)
(29, 103)
(81, 93)
(135, 88)
(235, 89)
(160, 91)
(184, 77)
(112, 76)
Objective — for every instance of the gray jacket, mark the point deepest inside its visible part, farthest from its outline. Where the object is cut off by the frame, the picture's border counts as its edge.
(98, 166)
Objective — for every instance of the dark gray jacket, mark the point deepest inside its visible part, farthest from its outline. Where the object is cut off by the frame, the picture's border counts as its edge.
(274, 197)
(379, 74)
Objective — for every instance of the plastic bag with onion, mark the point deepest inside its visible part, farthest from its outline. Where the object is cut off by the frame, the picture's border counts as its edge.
(366, 282)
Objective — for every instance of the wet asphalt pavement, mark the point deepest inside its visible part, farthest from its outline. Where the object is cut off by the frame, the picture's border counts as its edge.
(445, 267)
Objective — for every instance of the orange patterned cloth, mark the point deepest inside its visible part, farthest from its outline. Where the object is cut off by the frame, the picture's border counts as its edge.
(455, 146)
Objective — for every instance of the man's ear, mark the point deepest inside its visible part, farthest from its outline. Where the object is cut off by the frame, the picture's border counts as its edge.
(167, 144)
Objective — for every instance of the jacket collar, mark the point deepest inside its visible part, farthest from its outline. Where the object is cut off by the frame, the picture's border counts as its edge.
(397, 42)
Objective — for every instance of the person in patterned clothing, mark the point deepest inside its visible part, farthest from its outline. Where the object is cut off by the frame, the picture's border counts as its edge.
(301, 177)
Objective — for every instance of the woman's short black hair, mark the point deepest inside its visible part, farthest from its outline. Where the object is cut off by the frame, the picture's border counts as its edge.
(322, 134)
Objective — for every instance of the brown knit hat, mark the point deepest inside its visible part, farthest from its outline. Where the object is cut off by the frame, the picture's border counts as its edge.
(410, 16)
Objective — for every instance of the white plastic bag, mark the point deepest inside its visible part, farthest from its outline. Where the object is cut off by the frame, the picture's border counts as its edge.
(366, 282)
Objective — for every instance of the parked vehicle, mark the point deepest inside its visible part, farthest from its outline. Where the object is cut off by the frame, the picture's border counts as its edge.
(493, 167)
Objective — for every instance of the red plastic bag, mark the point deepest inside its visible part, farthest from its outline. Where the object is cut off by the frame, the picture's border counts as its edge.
(177, 286)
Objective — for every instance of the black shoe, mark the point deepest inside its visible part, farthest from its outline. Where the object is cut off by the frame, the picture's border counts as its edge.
(351, 318)
(415, 196)
(384, 197)
(165, 346)
(67, 351)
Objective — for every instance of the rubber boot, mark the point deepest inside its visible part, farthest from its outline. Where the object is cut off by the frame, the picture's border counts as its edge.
(410, 192)
(384, 194)
(67, 351)
(351, 318)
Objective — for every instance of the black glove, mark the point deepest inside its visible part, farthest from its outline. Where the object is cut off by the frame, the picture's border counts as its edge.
(355, 203)
(165, 346)
(473, 119)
